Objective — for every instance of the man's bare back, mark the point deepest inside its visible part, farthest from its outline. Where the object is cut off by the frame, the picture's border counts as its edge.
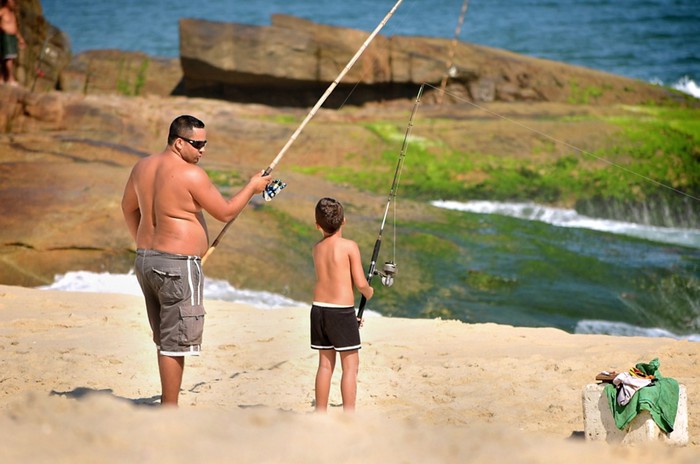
(164, 184)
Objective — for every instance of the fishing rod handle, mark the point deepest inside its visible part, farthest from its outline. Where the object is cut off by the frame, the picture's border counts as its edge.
(370, 274)
(361, 308)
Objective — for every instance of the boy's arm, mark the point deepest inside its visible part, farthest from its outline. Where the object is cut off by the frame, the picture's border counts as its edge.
(358, 274)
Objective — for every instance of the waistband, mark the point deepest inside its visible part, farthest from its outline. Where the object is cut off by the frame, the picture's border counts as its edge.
(157, 253)
(321, 304)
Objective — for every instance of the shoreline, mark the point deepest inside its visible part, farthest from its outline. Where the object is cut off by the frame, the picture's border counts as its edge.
(222, 290)
(80, 369)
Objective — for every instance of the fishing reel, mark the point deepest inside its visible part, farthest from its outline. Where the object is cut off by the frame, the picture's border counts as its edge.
(388, 273)
(272, 189)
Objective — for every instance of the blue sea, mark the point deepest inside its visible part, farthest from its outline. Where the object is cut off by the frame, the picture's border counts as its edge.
(581, 274)
(652, 40)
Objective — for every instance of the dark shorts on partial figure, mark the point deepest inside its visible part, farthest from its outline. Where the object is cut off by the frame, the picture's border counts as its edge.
(172, 286)
(8, 46)
(334, 328)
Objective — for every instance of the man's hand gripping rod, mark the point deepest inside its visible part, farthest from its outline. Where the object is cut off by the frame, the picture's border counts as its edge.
(311, 114)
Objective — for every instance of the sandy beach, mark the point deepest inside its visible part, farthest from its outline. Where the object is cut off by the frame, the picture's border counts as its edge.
(78, 383)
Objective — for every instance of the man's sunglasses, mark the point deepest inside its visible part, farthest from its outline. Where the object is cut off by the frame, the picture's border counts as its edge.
(196, 144)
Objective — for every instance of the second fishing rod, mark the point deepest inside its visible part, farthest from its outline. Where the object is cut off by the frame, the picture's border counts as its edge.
(390, 268)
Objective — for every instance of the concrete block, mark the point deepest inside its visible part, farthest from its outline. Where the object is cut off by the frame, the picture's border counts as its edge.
(599, 424)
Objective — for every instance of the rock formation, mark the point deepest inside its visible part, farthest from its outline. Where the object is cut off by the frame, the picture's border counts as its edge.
(294, 60)
(121, 72)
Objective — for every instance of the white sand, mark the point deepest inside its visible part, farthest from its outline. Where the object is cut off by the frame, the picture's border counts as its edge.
(78, 377)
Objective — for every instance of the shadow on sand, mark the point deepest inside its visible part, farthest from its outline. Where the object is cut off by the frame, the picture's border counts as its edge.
(79, 393)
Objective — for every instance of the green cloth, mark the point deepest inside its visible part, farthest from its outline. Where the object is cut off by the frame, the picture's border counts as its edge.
(660, 398)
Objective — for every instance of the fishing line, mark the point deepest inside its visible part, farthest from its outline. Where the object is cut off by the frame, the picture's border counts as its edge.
(567, 144)
(342, 105)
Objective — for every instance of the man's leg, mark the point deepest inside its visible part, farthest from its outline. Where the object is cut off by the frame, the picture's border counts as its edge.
(4, 70)
(10, 79)
(171, 369)
(326, 364)
(349, 361)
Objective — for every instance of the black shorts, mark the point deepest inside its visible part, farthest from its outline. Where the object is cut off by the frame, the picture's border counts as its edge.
(334, 328)
(172, 286)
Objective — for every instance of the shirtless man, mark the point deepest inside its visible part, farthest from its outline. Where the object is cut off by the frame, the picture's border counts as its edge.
(10, 40)
(334, 325)
(162, 205)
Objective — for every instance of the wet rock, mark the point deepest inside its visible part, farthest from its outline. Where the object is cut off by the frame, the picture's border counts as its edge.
(121, 73)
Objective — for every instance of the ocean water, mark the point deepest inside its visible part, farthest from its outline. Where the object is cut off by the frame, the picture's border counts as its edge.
(651, 40)
(549, 267)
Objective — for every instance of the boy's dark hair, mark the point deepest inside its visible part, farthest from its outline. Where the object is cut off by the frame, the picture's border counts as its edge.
(182, 126)
(329, 215)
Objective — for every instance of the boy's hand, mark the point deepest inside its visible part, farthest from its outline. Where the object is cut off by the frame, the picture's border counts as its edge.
(361, 322)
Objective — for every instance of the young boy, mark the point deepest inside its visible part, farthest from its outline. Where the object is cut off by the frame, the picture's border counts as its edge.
(334, 325)
(10, 40)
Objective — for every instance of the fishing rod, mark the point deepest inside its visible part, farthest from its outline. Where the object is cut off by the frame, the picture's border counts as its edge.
(390, 268)
(450, 62)
(277, 185)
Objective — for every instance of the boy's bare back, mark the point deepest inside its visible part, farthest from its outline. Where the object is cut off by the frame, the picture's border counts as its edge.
(338, 269)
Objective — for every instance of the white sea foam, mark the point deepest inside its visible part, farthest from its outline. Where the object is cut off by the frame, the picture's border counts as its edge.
(687, 85)
(569, 218)
(628, 330)
(214, 289)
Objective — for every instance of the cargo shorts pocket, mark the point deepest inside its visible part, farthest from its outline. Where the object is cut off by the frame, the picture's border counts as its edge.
(171, 287)
(191, 324)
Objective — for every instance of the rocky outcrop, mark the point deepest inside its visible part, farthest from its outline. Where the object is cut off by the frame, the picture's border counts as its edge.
(294, 60)
(122, 73)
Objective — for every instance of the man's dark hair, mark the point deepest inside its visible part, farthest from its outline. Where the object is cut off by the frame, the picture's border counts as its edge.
(329, 215)
(182, 126)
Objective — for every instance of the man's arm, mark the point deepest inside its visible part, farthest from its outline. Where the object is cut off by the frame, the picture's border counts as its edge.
(210, 199)
(130, 208)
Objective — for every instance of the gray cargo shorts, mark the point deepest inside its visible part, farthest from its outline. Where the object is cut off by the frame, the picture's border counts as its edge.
(172, 286)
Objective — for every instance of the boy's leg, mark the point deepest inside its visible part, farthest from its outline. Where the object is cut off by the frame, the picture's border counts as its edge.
(326, 364)
(349, 361)
(171, 369)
